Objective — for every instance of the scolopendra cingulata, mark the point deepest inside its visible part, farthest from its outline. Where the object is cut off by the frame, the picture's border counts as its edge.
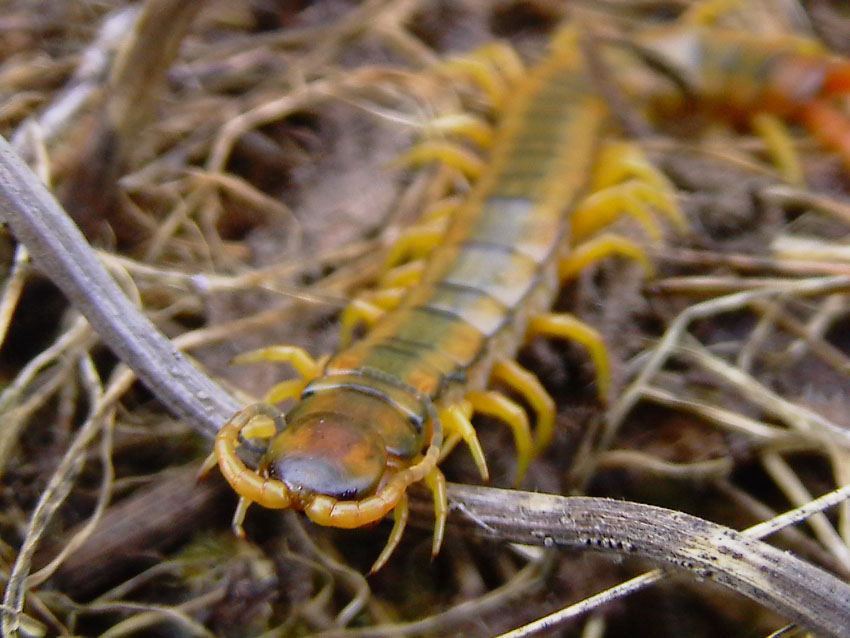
(376, 416)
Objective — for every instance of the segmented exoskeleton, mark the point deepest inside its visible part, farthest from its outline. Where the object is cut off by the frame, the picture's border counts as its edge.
(372, 419)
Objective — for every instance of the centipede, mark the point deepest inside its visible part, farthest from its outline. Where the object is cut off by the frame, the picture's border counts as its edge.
(476, 278)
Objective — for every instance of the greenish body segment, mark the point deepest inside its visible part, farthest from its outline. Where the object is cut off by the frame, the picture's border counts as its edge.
(498, 260)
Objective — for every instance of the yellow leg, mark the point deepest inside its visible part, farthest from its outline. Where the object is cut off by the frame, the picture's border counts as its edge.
(403, 276)
(449, 443)
(528, 385)
(633, 197)
(357, 312)
(501, 407)
(416, 242)
(368, 309)
(288, 389)
(505, 58)
(453, 154)
(306, 365)
(465, 126)
(456, 421)
(239, 516)
(452, 438)
(436, 482)
(386, 298)
(400, 515)
(619, 161)
(604, 207)
(493, 67)
(565, 39)
(780, 147)
(442, 208)
(566, 326)
(479, 71)
(261, 426)
(598, 248)
(207, 466)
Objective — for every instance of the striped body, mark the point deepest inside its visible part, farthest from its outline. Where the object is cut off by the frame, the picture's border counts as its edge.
(497, 263)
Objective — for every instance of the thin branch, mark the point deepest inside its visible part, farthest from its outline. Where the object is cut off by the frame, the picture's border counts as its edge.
(60, 251)
(797, 590)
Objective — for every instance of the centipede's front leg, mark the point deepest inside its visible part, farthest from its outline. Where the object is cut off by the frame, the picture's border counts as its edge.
(260, 420)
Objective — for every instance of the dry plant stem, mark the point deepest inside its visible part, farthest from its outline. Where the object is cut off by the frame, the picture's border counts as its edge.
(302, 97)
(150, 521)
(354, 580)
(526, 579)
(678, 328)
(791, 248)
(12, 289)
(84, 86)
(829, 311)
(803, 420)
(590, 603)
(60, 250)
(656, 575)
(139, 67)
(15, 409)
(789, 196)
(153, 614)
(58, 488)
(104, 493)
(791, 485)
(714, 285)
(810, 336)
(759, 431)
(206, 283)
(794, 538)
(746, 263)
(642, 462)
(706, 550)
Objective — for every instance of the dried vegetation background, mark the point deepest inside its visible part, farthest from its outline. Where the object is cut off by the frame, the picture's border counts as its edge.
(235, 166)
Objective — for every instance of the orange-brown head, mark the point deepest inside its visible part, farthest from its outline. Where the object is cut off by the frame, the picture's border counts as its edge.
(326, 453)
(333, 453)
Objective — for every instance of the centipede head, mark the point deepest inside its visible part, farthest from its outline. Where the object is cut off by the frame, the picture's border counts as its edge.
(326, 453)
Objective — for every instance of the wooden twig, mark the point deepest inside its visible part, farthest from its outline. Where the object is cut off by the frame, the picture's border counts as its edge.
(706, 550)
